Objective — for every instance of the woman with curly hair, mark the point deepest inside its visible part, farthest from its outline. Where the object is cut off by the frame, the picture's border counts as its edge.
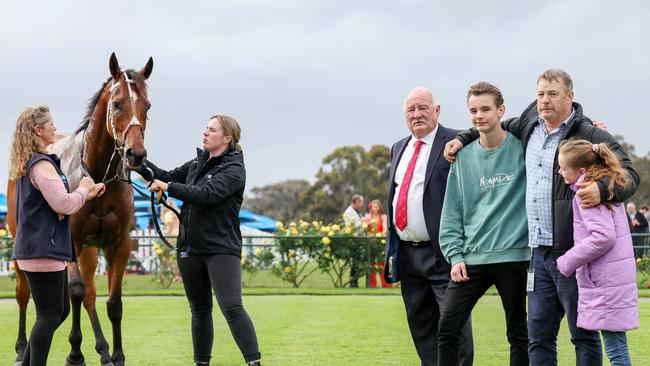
(43, 244)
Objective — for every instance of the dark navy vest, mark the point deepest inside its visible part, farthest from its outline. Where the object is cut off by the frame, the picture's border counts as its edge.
(40, 233)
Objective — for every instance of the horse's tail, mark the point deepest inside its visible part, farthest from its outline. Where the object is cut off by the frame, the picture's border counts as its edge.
(11, 207)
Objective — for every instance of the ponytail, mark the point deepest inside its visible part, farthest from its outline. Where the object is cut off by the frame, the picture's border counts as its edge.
(599, 161)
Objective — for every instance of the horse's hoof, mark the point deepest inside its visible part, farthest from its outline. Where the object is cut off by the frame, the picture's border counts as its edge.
(108, 364)
(18, 363)
(68, 363)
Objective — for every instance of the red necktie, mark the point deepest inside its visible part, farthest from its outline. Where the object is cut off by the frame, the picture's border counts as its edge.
(402, 198)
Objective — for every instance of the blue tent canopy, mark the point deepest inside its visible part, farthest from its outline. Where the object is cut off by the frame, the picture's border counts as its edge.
(255, 221)
(3, 205)
(246, 218)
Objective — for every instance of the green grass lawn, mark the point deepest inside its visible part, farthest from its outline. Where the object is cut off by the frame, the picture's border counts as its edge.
(292, 330)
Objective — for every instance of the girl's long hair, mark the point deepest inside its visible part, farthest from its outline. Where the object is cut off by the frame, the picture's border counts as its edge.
(599, 161)
(25, 142)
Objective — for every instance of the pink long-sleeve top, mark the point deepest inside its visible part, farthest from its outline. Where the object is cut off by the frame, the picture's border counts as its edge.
(63, 203)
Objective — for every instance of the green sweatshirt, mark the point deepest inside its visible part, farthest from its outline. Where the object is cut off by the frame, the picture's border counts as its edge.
(484, 213)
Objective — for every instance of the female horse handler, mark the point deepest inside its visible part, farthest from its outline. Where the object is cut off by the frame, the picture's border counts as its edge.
(211, 187)
(43, 242)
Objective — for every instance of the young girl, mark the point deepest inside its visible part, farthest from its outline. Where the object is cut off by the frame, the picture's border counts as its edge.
(602, 256)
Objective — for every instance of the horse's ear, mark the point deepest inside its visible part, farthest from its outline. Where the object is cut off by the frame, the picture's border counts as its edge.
(114, 66)
(147, 69)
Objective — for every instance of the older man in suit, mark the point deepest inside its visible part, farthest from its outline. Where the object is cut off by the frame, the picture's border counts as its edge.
(418, 179)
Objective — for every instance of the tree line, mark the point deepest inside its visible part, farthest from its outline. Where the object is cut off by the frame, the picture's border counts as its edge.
(346, 171)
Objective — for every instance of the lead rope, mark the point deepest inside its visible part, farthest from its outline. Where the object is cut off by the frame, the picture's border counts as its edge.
(152, 198)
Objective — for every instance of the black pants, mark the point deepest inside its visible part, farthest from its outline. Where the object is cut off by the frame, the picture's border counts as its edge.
(222, 273)
(423, 290)
(50, 293)
(510, 280)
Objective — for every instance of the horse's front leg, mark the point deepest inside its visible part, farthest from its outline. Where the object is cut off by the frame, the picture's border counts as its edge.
(22, 298)
(117, 260)
(76, 289)
(88, 262)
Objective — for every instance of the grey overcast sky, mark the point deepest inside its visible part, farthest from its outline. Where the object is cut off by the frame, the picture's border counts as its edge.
(304, 77)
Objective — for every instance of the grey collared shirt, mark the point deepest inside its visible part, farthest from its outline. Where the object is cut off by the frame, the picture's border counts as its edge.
(540, 158)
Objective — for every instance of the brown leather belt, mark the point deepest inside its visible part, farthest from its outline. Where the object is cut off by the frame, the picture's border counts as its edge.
(416, 244)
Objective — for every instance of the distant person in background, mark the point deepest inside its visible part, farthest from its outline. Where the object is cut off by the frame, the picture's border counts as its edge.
(169, 218)
(646, 212)
(638, 222)
(376, 220)
(638, 225)
(352, 214)
(352, 217)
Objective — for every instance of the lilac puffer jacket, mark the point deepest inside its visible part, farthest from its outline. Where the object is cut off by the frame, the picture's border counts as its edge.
(603, 259)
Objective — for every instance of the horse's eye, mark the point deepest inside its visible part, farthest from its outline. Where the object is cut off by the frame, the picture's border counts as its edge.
(116, 105)
(147, 107)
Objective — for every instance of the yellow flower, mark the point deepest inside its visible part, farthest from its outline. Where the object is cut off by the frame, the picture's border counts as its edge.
(325, 229)
(158, 251)
(364, 225)
(258, 251)
(336, 227)
(328, 249)
(3, 232)
(292, 224)
(331, 233)
(243, 261)
(279, 225)
(348, 230)
(288, 269)
(383, 241)
(156, 246)
(11, 266)
(326, 240)
(638, 260)
(315, 224)
(304, 225)
(379, 235)
(292, 253)
(294, 232)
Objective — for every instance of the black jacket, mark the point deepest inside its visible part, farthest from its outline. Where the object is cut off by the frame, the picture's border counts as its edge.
(580, 128)
(212, 191)
(643, 223)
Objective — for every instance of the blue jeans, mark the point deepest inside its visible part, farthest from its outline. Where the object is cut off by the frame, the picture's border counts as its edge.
(616, 348)
(553, 297)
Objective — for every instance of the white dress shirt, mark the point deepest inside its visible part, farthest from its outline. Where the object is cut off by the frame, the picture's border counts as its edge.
(351, 217)
(416, 228)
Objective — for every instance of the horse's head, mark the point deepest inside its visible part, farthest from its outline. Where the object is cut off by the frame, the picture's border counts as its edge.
(126, 114)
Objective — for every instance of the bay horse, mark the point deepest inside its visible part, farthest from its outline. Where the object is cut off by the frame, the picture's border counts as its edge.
(108, 144)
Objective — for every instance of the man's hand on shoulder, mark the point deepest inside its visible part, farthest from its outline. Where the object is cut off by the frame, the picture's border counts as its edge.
(589, 194)
(600, 124)
(451, 149)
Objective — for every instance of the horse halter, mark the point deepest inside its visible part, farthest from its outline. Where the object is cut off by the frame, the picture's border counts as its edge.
(110, 121)
(119, 142)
